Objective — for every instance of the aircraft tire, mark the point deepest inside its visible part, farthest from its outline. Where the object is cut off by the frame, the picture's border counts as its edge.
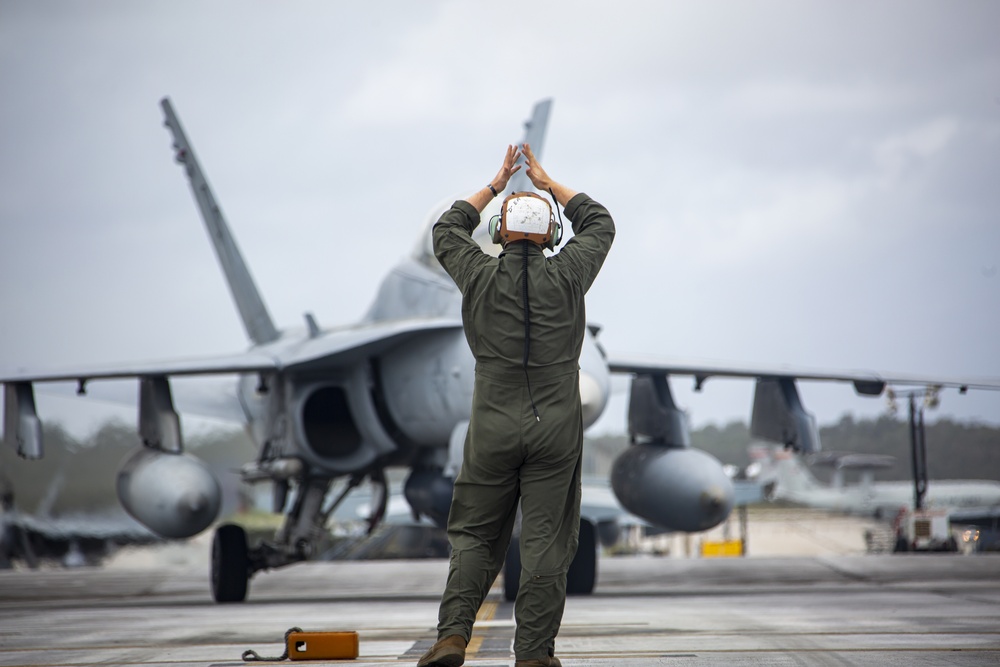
(230, 564)
(512, 570)
(582, 575)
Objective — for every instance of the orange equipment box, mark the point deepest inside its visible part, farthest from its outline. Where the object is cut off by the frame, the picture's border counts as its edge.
(322, 645)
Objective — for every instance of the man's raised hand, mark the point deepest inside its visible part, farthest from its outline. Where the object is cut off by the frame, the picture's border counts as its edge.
(507, 170)
(542, 181)
(535, 172)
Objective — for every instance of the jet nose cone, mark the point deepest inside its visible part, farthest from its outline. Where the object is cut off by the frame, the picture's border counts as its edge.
(592, 398)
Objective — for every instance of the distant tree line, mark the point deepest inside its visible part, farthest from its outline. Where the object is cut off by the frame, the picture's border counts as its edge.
(955, 450)
(79, 474)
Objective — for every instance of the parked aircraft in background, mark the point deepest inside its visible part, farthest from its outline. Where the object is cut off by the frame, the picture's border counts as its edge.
(330, 408)
(64, 509)
(786, 477)
(73, 540)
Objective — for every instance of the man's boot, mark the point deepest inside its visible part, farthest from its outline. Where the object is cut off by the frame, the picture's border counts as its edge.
(447, 652)
(550, 661)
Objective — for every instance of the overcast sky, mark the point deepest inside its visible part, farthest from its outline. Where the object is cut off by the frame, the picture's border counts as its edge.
(806, 183)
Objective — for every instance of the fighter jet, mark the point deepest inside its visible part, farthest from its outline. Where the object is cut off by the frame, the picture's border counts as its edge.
(332, 408)
(786, 477)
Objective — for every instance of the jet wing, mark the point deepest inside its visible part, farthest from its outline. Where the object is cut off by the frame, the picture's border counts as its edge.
(344, 346)
(316, 350)
(238, 363)
(330, 348)
(982, 517)
(777, 415)
(865, 382)
(73, 541)
(113, 524)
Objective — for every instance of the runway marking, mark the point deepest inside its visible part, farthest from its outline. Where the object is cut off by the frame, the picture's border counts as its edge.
(485, 613)
(492, 641)
(489, 641)
(88, 661)
(895, 616)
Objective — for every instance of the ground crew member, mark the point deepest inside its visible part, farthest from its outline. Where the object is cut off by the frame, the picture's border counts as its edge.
(525, 437)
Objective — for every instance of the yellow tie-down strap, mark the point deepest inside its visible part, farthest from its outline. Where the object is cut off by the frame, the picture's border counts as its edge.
(322, 645)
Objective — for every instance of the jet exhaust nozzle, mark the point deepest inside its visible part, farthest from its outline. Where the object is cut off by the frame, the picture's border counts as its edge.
(174, 495)
(677, 488)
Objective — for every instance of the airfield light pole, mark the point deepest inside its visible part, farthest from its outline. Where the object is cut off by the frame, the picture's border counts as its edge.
(918, 450)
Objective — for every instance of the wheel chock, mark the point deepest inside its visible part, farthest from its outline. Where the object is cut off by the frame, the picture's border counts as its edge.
(301, 645)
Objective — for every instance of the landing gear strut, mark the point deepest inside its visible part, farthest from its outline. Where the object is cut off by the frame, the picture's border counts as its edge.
(234, 561)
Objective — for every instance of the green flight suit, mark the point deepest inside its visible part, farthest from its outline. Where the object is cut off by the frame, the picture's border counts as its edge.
(510, 455)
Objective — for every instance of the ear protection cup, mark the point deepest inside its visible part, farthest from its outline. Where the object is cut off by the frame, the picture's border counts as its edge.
(495, 228)
(556, 235)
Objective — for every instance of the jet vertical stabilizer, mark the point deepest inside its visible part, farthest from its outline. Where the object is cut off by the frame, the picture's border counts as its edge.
(792, 477)
(256, 319)
(534, 135)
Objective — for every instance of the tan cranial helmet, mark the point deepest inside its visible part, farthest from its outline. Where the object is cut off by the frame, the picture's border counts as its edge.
(525, 216)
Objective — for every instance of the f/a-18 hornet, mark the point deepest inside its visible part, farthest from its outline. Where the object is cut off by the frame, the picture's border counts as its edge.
(332, 408)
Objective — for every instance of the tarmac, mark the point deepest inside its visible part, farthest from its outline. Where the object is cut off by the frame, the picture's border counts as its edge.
(646, 610)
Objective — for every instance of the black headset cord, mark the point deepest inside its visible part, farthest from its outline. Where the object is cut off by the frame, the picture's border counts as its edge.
(527, 325)
(556, 202)
(527, 311)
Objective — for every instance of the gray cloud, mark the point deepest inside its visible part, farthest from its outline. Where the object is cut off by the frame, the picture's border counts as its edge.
(803, 183)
